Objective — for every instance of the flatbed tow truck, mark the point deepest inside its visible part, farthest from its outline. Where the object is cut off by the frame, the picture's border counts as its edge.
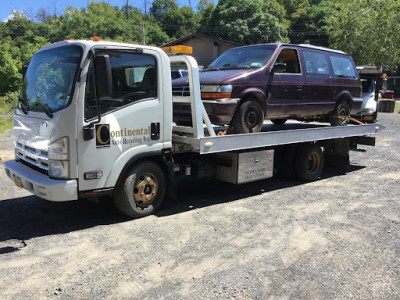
(129, 148)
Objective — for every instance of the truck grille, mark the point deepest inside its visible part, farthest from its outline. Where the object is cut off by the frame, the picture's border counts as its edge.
(181, 91)
(35, 158)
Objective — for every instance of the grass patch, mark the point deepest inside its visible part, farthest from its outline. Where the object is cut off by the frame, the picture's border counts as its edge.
(6, 123)
(8, 102)
(397, 107)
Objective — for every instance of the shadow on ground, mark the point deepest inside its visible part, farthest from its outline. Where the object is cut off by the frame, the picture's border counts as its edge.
(24, 218)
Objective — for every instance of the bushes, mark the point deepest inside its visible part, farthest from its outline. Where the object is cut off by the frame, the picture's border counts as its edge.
(8, 102)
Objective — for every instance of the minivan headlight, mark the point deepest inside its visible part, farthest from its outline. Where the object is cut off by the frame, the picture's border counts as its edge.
(59, 158)
(225, 89)
(216, 91)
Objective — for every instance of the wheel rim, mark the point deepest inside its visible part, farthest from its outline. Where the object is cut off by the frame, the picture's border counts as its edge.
(145, 189)
(313, 162)
(343, 115)
(251, 118)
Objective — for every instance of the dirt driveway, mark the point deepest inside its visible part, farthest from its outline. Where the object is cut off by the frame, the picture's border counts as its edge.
(336, 238)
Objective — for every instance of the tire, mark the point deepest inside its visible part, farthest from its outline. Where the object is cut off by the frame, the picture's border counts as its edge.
(278, 121)
(248, 118)
(141, 191)
(309, 162)
(341, 114)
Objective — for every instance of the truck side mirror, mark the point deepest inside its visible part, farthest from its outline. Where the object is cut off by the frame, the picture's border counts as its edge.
(279, 68)
(102, 71)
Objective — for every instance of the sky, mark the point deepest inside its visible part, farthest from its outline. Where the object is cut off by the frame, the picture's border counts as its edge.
(31, 7)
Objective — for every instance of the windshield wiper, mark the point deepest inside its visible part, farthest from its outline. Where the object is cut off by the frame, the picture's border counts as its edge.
(233, 66)
(46, 109)
(23, 107)
(211, 68)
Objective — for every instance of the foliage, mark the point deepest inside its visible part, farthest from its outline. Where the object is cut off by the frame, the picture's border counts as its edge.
(9, 75)
(368, 30)
(179, 22)
(247, 21)
(8, 102)
(310, 23)
(6, 123)
(160, 7)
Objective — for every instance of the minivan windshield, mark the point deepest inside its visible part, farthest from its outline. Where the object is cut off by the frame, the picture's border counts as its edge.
(243, 58)
(48, 82)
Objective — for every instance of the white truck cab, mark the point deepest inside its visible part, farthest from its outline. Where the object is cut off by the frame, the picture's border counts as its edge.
(95, 118)
(65, 139)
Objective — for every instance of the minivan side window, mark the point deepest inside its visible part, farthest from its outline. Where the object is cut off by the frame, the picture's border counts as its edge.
(291, 59)
(342, 66)
(133, 79)
(316, 63)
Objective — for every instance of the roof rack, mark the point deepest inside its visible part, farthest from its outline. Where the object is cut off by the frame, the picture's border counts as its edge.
(321, 48)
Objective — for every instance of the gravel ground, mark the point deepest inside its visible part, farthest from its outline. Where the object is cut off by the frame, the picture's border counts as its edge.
(336, 238)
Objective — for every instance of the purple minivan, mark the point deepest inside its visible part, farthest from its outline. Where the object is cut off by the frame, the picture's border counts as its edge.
(248, 84)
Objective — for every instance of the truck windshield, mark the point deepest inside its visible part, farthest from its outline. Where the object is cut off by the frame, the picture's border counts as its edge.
(367, 85)
(49, 80)
(243, 58)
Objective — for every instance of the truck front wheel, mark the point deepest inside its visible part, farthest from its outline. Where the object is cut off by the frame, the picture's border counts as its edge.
(141, 191)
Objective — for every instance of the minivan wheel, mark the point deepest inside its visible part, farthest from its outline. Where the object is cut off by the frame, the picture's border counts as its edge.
(341, 114)
(248, 118)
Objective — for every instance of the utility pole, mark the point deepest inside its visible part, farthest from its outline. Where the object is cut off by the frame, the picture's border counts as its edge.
(127, 9)
(143, 36)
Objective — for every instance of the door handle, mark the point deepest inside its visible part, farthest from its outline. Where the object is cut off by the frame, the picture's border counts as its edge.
(155, 131)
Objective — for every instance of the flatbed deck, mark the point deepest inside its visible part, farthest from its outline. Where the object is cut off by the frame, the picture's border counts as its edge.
(275, 135)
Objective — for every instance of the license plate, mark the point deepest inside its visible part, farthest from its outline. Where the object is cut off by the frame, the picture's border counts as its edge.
(367, 117)
(17, 182)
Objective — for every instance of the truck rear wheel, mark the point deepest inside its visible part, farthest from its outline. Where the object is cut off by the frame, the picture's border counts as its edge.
(249, 117)
(309, 162)
(141, 191)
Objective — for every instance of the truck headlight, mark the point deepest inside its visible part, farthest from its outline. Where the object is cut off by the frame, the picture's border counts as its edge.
(58, 169)
(59, 158)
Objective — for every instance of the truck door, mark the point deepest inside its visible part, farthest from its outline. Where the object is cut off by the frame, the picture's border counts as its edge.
(131, 117)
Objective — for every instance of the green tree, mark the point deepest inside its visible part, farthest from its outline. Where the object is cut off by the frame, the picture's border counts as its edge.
(310, 23)
(9, 76)
(368, 30)
(247, 21)
(179, 22)
(292, 6)
(160, 7)
(205, 10)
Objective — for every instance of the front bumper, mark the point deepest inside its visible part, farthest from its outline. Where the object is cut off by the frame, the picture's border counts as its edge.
(219, 111)
(40, 184)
